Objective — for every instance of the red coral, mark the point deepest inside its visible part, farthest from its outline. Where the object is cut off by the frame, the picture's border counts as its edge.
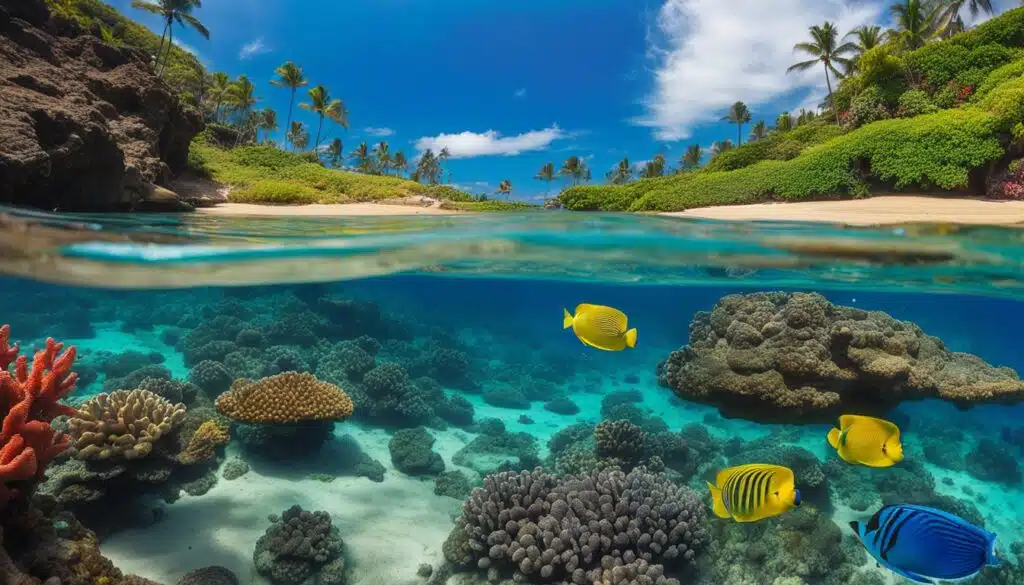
(28, 402)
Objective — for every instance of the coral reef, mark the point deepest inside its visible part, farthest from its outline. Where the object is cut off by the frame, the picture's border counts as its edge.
(88, 125)
(299, 545)
(453, 484)
(204, 442)
(991, 461)
(551, 530)
(124, 424)
(620, 439)
(411, 452)
(562, 405)
(212, 575)
(498, 450)
(234, 469)
(797, 357)
(29, 401)
(284, 398)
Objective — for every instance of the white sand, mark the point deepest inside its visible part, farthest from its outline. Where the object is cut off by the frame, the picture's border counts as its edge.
(323, 210)
(389, 528)
(887, 209)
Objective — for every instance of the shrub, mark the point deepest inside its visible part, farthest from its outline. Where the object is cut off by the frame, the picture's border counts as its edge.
(914, 103)
(882, 69)
(489, 205)
(999, 76)
(1007, 29)
(741, 156)
(1006, 102)
(1009, 184)
(867, 107)
(940, 63)
(446, 193)
(273, 192)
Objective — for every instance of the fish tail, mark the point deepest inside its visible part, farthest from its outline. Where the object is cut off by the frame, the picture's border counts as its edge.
(991, 558)
(631, 337)
(833, 438)
(566, 319)
(717, 504)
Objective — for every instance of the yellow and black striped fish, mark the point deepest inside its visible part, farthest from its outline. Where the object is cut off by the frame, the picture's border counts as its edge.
(748, 493)
(600, 327)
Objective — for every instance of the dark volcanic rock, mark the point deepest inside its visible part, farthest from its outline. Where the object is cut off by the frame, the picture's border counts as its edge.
(83, 125)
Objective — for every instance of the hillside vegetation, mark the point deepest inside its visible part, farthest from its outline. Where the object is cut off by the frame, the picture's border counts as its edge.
(269, 175)
(945, 116)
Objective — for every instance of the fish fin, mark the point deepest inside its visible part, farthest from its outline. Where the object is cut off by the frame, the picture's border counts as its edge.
(631, 338)
(855, 526)
(566, 319)
(910, 575)
(846, 421)
(991, 557)
(833, 438)
(717, 503)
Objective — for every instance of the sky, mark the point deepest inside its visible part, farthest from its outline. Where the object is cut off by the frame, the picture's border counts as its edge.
(509, 86)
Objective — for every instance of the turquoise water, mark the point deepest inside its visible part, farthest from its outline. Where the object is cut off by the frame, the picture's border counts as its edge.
(446, 333)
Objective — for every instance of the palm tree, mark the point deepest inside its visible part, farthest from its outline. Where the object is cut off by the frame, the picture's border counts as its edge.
(654, 167)
(363, 157)
(266, 120)
(442, 158)
(289, 75)
(759, 131)
(383, 155)
(325, 107)
(298, 136)
(334, 155)
(219, 92)
(546, 173)
(949, 14)
(505, 188)
(427, 168)
(242, 97)
(738, 114)
(172, 11)
(721, 146)
(399, 163)
(585, 171)
(784, 122)
(823, 47)
(621, 173)
(574, 168)
(917, 22)
(691, 158)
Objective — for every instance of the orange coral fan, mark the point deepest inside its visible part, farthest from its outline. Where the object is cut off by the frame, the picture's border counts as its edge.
(203, 443)
(28, 402)
(284, 398)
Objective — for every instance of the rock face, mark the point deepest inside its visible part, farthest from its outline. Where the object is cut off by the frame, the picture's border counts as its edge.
(83, 125)
(780, 357)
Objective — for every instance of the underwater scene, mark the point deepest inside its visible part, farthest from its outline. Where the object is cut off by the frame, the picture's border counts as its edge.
(543, 399)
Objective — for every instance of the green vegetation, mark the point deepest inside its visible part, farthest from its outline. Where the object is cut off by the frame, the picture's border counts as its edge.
(918, 108)
(269, 175)
(488, 205)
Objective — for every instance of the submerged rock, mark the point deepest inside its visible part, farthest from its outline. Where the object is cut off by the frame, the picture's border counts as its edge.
(795, 357)
(212, 575)
(87, 125)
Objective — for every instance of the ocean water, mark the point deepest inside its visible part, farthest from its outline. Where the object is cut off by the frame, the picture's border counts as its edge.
(446, 334)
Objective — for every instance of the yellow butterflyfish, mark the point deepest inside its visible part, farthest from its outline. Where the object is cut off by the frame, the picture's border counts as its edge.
(600, 327)
(748, 493)
(867, 441)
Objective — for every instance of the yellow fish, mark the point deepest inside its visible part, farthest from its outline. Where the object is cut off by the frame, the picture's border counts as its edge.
(600, 327)
(867, 440)
(748, 493)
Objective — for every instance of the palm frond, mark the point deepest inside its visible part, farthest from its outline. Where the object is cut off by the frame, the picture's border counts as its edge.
(803, 65)
(150, 7)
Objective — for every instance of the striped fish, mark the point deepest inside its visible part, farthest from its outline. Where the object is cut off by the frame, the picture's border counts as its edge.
(600, 327)
(748, 493)
(924, 544)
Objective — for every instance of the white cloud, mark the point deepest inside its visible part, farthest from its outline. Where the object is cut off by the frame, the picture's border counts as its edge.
(470, 144)
(521, 92)
(186, 48)
(712, 53)
(379, 131)
(257, 47)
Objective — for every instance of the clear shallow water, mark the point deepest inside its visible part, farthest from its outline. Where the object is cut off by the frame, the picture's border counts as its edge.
(170, 297)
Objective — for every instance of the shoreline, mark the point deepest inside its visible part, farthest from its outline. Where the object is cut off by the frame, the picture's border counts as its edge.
(878, 210)
(322, 210)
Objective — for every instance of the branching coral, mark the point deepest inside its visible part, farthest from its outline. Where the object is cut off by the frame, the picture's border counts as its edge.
(28, 402)
(203, 445)
(124, 424)
(797, 357)
(284, 398)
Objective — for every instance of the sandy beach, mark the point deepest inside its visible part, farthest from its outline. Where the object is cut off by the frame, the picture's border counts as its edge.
(886, 209)
(322, 210)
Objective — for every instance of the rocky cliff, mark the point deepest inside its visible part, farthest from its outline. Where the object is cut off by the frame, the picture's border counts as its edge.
(84, 125)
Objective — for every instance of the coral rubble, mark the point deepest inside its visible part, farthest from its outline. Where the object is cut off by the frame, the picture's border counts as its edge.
(795, 357)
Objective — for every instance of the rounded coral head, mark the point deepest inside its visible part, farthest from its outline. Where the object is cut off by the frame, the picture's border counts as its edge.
(284, 398)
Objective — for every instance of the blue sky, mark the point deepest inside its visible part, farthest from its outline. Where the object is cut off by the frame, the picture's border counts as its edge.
(508, 86)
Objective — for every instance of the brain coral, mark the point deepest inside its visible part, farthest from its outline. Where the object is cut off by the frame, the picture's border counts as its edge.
(550, 530)
(123, 424)
(284, 398)
(795, 357)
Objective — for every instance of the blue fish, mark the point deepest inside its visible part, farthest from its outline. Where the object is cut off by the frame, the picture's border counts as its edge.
(924, 544)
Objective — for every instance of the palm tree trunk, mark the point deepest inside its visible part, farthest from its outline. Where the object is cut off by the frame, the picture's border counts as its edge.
(291, 103)
(170, 41)
(831, 102)
(319, 127)
(160, 50)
